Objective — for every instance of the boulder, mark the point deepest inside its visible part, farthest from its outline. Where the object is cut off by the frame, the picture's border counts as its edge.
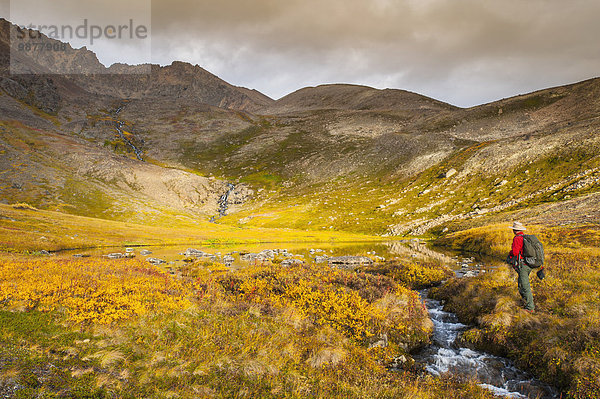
(291, 262)
(450, 173)
(267, 254)
(195, 253)
(249, 257)
(349, 262)
(115, 255)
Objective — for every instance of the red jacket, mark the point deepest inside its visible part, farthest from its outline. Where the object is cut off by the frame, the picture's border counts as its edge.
(517, 245)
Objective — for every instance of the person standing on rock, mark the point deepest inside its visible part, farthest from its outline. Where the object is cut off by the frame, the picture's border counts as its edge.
(515, 259)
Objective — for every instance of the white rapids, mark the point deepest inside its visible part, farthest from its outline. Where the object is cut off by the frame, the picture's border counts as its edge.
(446, 356)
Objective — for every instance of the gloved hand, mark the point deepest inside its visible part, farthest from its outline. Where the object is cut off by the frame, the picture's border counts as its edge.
(513, 261)
(541, 273)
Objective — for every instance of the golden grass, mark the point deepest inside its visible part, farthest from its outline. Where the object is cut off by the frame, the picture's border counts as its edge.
(275, 332)
(23, 229)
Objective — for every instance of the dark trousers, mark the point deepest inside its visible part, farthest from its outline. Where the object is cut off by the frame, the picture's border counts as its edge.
(524, 287)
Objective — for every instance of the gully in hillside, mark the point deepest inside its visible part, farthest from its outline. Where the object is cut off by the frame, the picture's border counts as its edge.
(119, 128)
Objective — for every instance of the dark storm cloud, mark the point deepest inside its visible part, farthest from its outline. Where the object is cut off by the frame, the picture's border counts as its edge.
(461, 51)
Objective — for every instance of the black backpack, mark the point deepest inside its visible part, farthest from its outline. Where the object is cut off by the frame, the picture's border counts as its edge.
(533, 251)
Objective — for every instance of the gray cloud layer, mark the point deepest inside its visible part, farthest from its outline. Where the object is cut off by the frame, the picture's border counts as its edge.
(464, 52)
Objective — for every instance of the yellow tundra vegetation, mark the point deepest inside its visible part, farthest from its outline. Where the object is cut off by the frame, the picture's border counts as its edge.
(98, 328)
(359, 305)
(90, 290)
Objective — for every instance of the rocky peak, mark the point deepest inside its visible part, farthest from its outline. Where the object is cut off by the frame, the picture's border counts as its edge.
(81, 68)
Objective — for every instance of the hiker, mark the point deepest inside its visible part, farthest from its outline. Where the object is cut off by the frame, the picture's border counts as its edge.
(515, 259)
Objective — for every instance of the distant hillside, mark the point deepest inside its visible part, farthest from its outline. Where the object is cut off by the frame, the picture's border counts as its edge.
(178, 80)
(331, 157)
(352, 97)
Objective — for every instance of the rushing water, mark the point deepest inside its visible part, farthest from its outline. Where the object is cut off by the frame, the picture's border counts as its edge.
(446, 355)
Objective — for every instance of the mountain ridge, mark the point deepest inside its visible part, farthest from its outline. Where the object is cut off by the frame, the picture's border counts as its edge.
(82, 68)
(334, 156)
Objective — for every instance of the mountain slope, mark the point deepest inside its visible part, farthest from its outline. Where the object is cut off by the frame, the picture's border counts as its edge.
(178, 80)
(333, 157)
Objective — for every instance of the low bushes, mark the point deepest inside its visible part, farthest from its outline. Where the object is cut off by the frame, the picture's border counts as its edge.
(412, 274)
(361, 306)
(266, 331)
(89, 291)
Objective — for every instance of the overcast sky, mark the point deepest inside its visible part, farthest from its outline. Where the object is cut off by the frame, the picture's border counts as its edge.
(464, 52)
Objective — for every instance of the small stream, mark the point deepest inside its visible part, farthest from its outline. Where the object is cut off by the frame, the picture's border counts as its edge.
(119, 127)
(447, 355)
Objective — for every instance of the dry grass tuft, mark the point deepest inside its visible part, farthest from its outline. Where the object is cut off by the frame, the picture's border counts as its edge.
(23, 206)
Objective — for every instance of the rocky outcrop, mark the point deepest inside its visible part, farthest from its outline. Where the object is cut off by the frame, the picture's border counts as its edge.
(39, 92)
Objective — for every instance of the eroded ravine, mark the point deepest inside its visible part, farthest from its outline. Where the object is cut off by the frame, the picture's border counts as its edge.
(119, 128)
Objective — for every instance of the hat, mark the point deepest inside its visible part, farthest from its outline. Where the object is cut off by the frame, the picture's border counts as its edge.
(518, 226)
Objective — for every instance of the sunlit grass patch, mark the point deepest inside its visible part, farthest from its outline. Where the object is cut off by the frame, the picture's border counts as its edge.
(25, 230)
(89, 290)
(23, 205)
